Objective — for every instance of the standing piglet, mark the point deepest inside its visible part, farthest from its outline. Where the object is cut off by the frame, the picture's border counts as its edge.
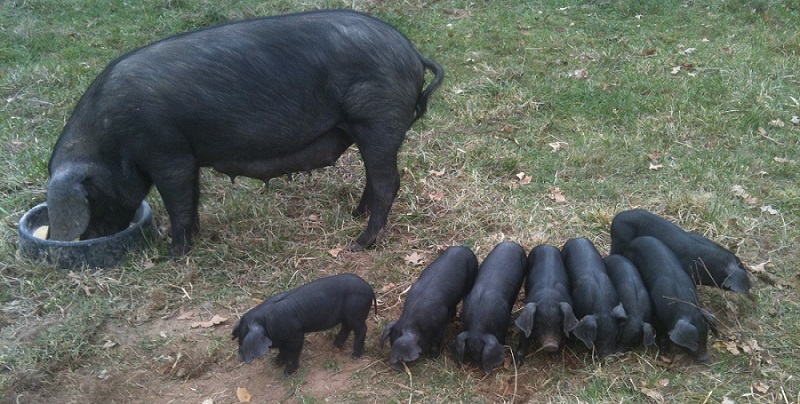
(282, 320)
(637, 329)
(430, 305)
(593, 296)
(547, 318)
(486, 312)
(705, 261)
(257, 98)
(673, 294)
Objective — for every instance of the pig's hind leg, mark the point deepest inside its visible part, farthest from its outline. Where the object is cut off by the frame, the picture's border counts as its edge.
(378, 146)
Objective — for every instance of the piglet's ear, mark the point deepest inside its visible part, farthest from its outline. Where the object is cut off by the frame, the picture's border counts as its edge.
(570, 321)
(586, 331)
(254, 345)
(493, 353)
(386, 333)
(685, 335)
(619, 313)
(525, 320)
(649, 334)
(459, 345)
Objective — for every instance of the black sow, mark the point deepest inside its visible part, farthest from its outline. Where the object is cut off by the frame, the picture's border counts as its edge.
(486, 312)
(282, 320)
(705, 261)
(430, 305)
(257, 98)
(674, 296)
(593, 296)
(547, 318)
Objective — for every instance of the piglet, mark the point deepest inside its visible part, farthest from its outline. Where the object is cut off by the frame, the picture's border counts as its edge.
(430, 305)
(547, 318)
(705, 261)
(593, 296)
(282, 320)
(486, 312)
(637, 329)
(673, 294)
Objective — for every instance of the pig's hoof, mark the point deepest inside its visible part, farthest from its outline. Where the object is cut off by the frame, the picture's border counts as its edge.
(355, 247)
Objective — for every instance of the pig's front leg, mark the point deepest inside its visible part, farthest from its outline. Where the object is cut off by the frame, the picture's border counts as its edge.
(291, 353)
(180, 190)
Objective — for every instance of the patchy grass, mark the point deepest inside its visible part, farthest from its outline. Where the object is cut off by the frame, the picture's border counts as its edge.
(681, 108)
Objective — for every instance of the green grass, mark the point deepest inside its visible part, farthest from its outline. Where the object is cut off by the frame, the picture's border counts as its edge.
(634, 132)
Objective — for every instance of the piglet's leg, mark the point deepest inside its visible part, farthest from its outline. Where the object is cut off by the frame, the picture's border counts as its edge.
(341, 337)
(360, 333)
(292, 354)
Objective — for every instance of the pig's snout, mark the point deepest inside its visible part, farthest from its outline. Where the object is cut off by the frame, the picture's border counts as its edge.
(550, 345)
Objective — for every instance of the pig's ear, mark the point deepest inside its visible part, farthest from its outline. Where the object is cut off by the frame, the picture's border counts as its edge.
(386, 332)
(525, 320)
(459, 345)
(619, 313)
(493, 353)
(406, 349)
(685, 335)
(570, 321)
(67, 205)
(649, 334)
(255, 344)
(586, 331)
(711, 320)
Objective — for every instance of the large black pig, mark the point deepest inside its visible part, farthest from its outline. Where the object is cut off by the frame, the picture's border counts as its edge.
(282, 320)
(258, 98)
(705, 261)
(486, 312)
(430, 305)
(547, 318)
(674, 296)
(637, 329)
(594, 298)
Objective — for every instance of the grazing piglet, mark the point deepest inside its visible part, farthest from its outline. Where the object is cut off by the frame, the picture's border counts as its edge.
(547, 318)
(258, 98)
(430, 305)
(637, 329)
(282, 320)
(486, 312)
(593, 296)
(674, 296)
(705, 261)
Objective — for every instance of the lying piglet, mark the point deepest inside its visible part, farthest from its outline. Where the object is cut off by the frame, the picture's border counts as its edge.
(673, 295)
(282, 320)
(593, 296)
(637, 329)
(547, 317)
(486, 313)
(430, 305)
(705, 261)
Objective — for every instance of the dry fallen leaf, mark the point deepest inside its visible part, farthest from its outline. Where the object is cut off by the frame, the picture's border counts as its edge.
(654, 156)
(335, 252)
(109, 344)
(387, 287)
(727, 400)
(414, 258)
(580, 74)
(437, 196)
(558, 146)
(557, 195)
(185, 315)
(776, 123)
(243, 395)
(769, 209)
(795, 119)
(652, 394)
(655, 167)
(523, 179)
(437, 173)
(676, 70)
(760, 388)
(216, 320)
